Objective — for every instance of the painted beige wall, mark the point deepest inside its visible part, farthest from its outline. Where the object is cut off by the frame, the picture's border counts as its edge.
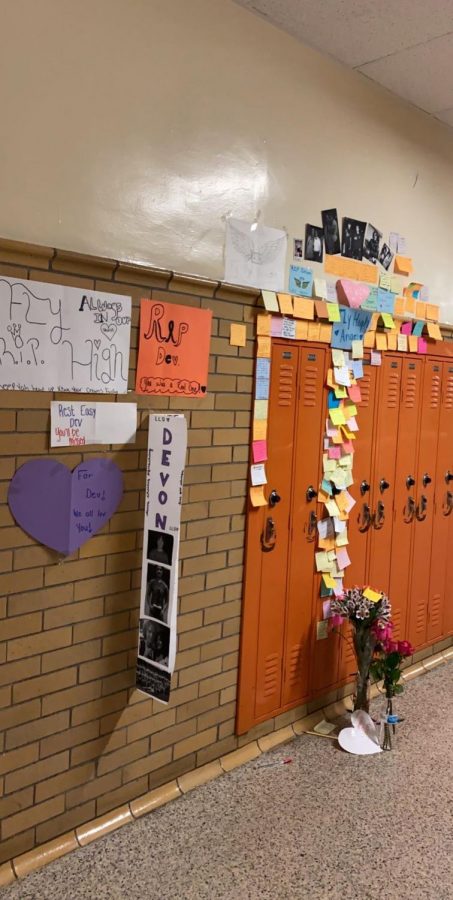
(129, 128)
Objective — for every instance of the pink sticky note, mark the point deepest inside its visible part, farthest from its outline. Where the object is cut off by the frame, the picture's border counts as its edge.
(326, 613)
(276, 326)
(259, 449)
(343, 558)
(422, 345)
(354, 292)
(348, 447)
(334, 452)
(406, 328)
(354, 393)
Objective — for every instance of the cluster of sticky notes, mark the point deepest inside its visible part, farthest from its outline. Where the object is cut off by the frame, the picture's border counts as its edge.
(258, 477)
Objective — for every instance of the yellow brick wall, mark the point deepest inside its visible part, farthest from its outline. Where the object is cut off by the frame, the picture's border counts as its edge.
(76, 738)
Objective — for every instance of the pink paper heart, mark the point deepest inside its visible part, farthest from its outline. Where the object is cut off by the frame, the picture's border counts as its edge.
(353, 292)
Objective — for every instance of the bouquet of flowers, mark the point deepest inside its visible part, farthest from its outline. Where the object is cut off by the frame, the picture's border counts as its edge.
(389, 654)
(367, 610)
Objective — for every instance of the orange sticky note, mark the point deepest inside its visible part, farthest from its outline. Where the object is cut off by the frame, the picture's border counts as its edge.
(398, 309)
(374, 322)
(263, 324)
(314, 329)
(420, 309)
(325, 333)
(392, 340)
(301, 330)
(369, 339)
(349, 268)
(409, 306)
(432, 312)
(434, 331)
(259, 429)
(413, 343)
(238, 335)
(381, 341)
(257, 496)
(160, 323)
(264, 346)
(304, 308)
(321, 309)
(403, 265)
(285, 302)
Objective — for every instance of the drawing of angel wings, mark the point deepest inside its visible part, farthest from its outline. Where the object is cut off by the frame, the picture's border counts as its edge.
(259, 257)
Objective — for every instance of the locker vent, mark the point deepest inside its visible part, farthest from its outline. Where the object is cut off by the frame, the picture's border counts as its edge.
(435, 611)
(396, 619)
(309, 397)
(410, 395)
(365, 387)
(449, 391)
(295, 665)
(285, 385)
(271, 672)
(435, 391)
(393, 391)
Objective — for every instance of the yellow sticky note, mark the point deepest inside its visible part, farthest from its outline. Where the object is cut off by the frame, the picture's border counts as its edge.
(338, 358)
(328, 580)
(337, 416)
(259, 429)
(369, 339)
(285, 302)
(420, 309)
(270, 301)
(350, 410)
(264, 346)
(263, 324)
(325, 333)
(403, 265)
(303, 308)
(314, 329)
(257, 496)
(432, 312)
(434, 331)
(413, 343)
(395, 284)
(409, 306)
(373, 596)
(301, 330)
(340, 391)
(392, 341)
(238, 334)
(260, 409)
(357, 349)
(333, 311)
(387, 319)
(381, 341)
(385, 281)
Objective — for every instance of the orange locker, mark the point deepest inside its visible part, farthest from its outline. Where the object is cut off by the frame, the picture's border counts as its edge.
(424, 511)
(405, 503)
(442, 536)
(304, 515)
(447, 487)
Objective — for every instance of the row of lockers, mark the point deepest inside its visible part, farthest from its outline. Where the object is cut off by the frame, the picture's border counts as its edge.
(400, 530)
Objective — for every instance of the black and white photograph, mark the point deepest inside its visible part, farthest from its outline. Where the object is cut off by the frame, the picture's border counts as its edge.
(371, 243)
(314, 238)
(157, 592)
(154, 642)
(153, 680)
(160, 547)
(331, 231)
(298, 248)
(385, 257)
(352, 238)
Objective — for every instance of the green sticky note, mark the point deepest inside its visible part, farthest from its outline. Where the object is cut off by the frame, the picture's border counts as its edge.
(333, 311)
(387, 319)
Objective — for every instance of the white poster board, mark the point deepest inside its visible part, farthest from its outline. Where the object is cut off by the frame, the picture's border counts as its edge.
(75, 424)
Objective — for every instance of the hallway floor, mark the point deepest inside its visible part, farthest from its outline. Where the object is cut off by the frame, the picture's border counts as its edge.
(329, 825)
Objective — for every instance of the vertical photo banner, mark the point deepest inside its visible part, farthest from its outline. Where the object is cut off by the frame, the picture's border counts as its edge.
(167, 442)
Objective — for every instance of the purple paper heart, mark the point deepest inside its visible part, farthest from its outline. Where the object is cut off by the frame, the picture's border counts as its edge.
(64, 509)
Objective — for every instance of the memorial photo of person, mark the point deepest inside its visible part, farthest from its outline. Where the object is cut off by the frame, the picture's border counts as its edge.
(352, 238)
(385, 257)
(331, 231)
(371, 243)
(314, 238)
(157, 592)
(154, 641)
(298, 248)
(160, 547)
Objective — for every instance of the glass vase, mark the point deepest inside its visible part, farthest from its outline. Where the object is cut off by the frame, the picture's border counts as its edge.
(364, 644)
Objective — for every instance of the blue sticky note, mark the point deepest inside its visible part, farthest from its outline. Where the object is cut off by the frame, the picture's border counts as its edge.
(263, 367)
(357, 368)
(300, 281)
(352, 327)
(332, 401)
(326, 486)
(371, 300)
(325, 592)
(418, 328)
(385, 301)
(262, 389)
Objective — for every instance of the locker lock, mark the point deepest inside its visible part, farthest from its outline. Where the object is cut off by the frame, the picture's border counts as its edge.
(448, 476)
(410, 481)
(364, 487)
(383, 485)
(274, 498)
(426, 479)
(311, 493)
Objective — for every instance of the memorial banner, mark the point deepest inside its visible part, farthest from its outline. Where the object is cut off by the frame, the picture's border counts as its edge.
(167, 442)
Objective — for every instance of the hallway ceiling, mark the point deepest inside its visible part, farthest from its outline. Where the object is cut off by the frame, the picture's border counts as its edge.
(404, 45)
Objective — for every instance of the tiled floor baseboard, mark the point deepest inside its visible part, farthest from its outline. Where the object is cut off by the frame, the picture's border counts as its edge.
(83, 835)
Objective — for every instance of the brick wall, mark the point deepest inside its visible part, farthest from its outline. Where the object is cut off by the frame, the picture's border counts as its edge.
(76, 738)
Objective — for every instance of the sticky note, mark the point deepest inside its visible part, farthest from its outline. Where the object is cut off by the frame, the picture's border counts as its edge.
(387, 319)
(402, 342)
(434, 331)
(326, 613)
(260, 409)
(422, 345)
(270, 301)
(323, 563)
(257, 497)
(321, 309)
(420, 309)
(406, 328)
(325, 333)
(374, 322)
(288, 328)
(303, 308)
(395, 284)
(320, 288)
(238, 334)
(264, 346)
(276, 326)
(258, 474)
(263, 324)
(403, 265)
(376, 358)
(350, 268)
(301, 330)
(409, 306)
(381, 341)
(392, 341)
(259, 429)
(418, 328)
(338, 358)
(332, 292)
(337, 416)
(328, 580)
(259, 451)
(314, 329)
(386, 301)
(332, 402)
(357, 349)
(333, 312)
(369, 339)
(340, 391)
(341, 376)
(373, 596)
(334, 452)
(285, 302)
(413, 343)
(385, 281)
(354, 393)
(432, 312)
(343, 558)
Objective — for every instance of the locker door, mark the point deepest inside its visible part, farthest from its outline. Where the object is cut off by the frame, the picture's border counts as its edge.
(307, 466)
(447, 417)
(423, 523)
(383, 484)
(443, 505)
(405, 475)
(275, 527)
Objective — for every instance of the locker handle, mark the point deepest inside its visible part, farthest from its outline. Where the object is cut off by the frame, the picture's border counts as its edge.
(410, 510)
(269, 536)
(312, 526)
(365, 518)
(449, 503)
(421, 508)
(448, 476)
(379, 515)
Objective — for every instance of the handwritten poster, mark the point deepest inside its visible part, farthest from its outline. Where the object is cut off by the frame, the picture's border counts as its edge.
(55, 338)
(76, 424)
(167, 442)
(173, 354)
(255, 255)
(352, 327)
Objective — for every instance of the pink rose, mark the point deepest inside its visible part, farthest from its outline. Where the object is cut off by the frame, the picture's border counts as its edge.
(405, 648)
(390, 646)
(336, 620)
(383, 631)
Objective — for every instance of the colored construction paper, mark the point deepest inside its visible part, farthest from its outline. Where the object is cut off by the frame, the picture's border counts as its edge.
(418, 328)
(387, 319)
(258, 474)
(288, 328)
(259, 429)
(285, 302)
(422, 345)
(257, 497)
(263, 324)
(353, 325)
(259, 451)
(333, 312)
(270, 301)
(434, 331)
(402, 342)
(300, 281)
(238, 335)
(385, 301)
(173, 350)
(350, 268)
(304, 308)
(357, 349)
(376, 358)
(63, 509)
(354, 293)
(264, 346)
(403, 265)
